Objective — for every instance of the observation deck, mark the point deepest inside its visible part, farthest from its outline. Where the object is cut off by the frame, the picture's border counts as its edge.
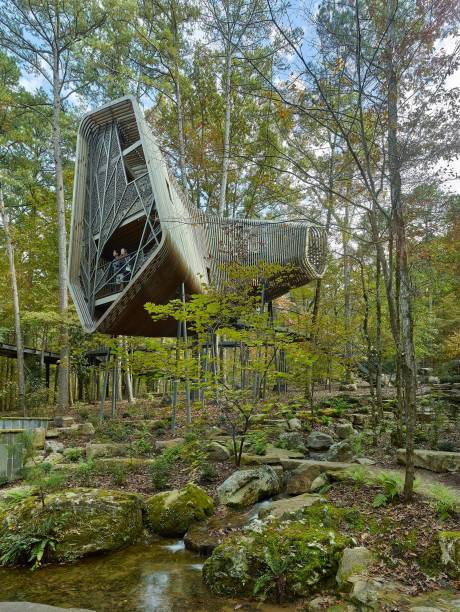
(125, 198)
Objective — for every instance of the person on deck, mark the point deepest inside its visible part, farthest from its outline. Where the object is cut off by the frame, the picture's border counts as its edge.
(115, 272)
(125, 267)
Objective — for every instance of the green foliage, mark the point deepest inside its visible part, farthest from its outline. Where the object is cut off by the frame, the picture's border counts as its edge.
(115, 431)
(257, 442)
(85, 472)
(141, 446)
(208, 472)
(28, 546)
(446, 502)
(359, 474)
(84, 413)
(13, 498)
(392, 485)
(161, 468)
(44, 479)
(74, 454)
(272, 582)
(119, 473)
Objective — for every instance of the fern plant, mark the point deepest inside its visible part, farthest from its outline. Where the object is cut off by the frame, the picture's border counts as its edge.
(274, 578)
(445, 502)
(392, 487)
(29, 546)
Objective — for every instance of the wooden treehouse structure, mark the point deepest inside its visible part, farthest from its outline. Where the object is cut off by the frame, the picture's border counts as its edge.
(125, 198)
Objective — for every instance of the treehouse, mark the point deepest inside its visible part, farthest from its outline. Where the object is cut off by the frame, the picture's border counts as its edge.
(126, 201)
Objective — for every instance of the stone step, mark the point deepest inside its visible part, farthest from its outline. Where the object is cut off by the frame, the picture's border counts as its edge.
(435, 461)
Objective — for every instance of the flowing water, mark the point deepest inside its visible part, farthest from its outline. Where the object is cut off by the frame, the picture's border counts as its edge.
(159, 577)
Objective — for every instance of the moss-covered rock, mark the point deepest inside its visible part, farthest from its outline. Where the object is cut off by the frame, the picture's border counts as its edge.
(449, 542)
(281, 561)
(78, 522)
(246, 487)
(171, 513)
(354, 562)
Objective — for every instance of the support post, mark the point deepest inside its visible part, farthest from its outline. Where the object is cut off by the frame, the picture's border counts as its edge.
(187, 378)
(104, 388)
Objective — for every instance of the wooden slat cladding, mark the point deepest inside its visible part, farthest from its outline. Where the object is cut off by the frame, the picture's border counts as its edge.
(195, 247)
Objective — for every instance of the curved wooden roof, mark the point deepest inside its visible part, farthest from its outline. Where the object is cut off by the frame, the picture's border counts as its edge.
(124, 196)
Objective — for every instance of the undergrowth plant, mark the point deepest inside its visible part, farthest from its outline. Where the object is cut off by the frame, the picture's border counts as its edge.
(161, 468)
(445, 502)
(30, 545)
(392, 485)
(257, 442)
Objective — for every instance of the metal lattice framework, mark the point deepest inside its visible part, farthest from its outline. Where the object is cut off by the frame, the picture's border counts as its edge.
(124, 197)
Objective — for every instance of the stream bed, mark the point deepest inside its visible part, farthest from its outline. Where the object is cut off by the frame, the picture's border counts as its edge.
(159, 577)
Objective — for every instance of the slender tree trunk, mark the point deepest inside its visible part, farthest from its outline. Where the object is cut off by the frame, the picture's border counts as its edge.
(407, 353)
(180, 132)
(347, 294)
(227, 125)
(16, 307)
(378, 341)
(62, 237)
(128, 375)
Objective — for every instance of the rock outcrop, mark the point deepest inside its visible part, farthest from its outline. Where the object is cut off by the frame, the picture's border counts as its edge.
(172, 512)
(246, 487)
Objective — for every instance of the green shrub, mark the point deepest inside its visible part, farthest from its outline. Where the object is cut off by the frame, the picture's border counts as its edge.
(83, 413)
(446, 446)
(115, 431)
(208, 472)
(119, 474)
(257, 442)
(74, 455)
(28, 546)
(141, 446)
(85, 472)
(392, 487)
(446, 503)
(44, 479)
(161, 468)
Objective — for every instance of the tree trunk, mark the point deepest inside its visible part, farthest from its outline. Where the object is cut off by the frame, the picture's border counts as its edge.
(180, 132)
(16, 307)
(378, 341)
(62, 237)
(347, 294)
(226, 142)
(407, 349)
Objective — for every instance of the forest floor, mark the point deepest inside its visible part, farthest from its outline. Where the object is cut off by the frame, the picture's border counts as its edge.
(402, 534)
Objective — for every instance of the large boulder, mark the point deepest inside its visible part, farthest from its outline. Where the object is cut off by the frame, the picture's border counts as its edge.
(246, 487)
(295, 424)
(318, 440)
(38, 437)
(345, 430)
(300, 479)
(292, 440)
(161, 445)
(53, 446)
(340, 451)
(435, 461)
(283, 508)
(79, 522)
(112, 449)
(86, 429)
(280, 560)
(354, 562)
(217, 452)
(63, 421)
(449, 542)
(273, 456)
(172, 512)
(203, 537)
